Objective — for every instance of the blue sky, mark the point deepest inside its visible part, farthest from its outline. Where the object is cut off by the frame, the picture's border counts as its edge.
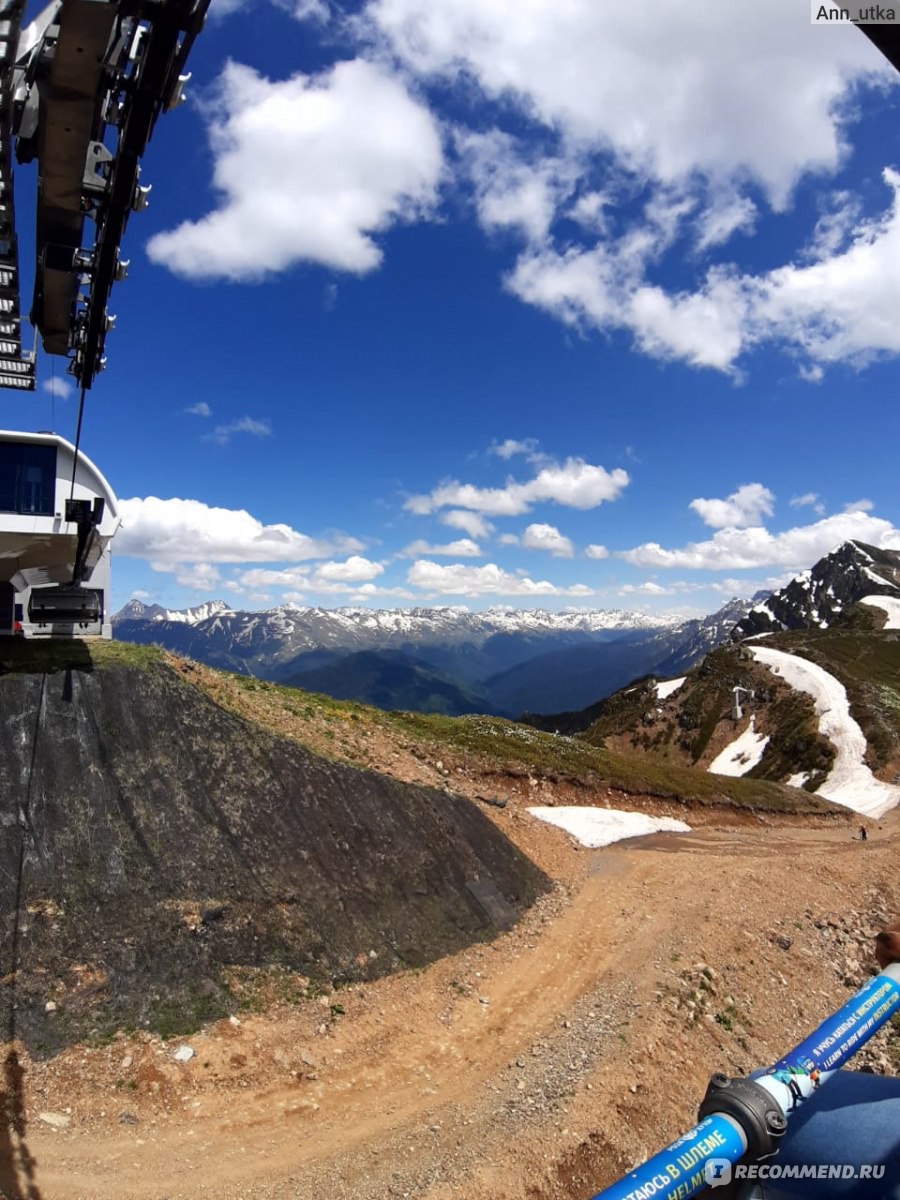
(491, 302)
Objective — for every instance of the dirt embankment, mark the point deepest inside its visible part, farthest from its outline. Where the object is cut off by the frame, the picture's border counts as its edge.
(169, 851)
(538, 1067)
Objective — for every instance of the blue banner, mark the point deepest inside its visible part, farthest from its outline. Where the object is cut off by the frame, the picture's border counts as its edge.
(847, 1030)
(679, 1171)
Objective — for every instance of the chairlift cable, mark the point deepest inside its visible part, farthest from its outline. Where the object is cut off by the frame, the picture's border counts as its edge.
(77, 439)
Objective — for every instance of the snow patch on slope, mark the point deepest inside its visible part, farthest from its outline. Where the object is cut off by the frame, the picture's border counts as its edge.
(850, 781)
(193, 616)
(741, 755)
(594, 827)
(668, 686)
(879, 579)
(887, 604)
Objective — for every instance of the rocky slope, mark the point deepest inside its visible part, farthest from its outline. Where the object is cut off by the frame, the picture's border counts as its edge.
(742, 712)
(821, 597)
(159, 852)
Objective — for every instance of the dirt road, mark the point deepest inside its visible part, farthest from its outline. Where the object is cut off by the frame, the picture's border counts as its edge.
(538, 1067)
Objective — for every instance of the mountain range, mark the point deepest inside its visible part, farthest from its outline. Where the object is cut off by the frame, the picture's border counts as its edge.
(448, 660)
(806, 691)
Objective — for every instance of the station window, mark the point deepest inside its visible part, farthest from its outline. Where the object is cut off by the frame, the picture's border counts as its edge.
(27, 478)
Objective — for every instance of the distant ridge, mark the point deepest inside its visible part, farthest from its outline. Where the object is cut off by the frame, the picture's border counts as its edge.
(449, 660)
(135, 610)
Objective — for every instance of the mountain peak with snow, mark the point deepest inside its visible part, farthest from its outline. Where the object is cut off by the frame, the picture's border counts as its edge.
(821, 596)
(135, 610)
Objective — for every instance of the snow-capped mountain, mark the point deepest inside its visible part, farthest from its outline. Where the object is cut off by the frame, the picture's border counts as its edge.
(575, 655)
(699, 637)
(820, 597)
(266, 641)
(134, 610)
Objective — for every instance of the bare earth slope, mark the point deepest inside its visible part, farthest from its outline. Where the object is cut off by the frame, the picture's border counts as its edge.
(537, 1066)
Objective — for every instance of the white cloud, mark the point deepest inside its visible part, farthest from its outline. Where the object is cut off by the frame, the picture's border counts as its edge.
(646, 589)
(811, 373)
(513, 192)
(574, 484)
(140, 594)
(222, 434)
(657, 101)
(835, 227)
(459, 580)
(859, 506)
(461, 548)
(300, 10)
(331, 578)
(471, 523)
(835, 309)
(508, 539)
(199, 577)
(605, 287)
(512, 446)
(747, 506)
(178, 531)
(60, 388)
(749, 587)
(224, 8)
(809, 500)
(548, 538)
(666, 89)
(706, 328)
(727, 214)
(654, 103)
(596, 551)
(267, 577)
(200, 409)
(307, 10)
(840, 307)
(308, 169)
(740, 549)
(355, 569)
(370, 591)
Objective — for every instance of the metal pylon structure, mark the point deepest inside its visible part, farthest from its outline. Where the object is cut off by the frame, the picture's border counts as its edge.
(16, 368)
(81, 88)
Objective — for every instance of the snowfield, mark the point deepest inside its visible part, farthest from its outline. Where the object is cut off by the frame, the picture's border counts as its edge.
(741, 755)
(887, 604)
(850, 782)
(595, 827)
(668, 686)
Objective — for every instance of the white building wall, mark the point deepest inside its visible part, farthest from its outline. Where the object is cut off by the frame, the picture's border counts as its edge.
(37, 549)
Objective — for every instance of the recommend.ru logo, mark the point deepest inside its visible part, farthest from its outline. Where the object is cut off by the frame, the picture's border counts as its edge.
(717, 1172)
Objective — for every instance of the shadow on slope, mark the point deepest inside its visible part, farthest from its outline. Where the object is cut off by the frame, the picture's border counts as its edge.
(172, 854)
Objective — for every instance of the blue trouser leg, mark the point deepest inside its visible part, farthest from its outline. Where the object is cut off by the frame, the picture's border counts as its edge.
(855, 1119)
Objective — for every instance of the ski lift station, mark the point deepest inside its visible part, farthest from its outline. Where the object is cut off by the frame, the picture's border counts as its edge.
(55, 537)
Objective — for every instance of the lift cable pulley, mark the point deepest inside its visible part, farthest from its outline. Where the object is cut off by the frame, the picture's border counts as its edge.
(81, 89)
